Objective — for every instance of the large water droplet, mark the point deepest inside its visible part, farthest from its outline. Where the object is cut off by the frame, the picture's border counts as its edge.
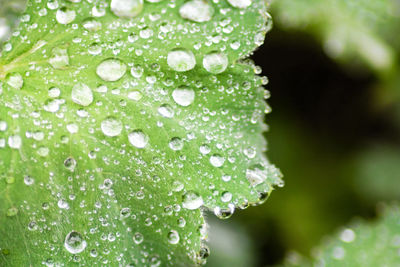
(74, 243)
(197, 10)
(192, 200)
(111, 126)
(111, 70)
(82, 94)
(65, 15)
(126, 8)
(138, 139)
(183, 96)
(215, 62)
(181, 59)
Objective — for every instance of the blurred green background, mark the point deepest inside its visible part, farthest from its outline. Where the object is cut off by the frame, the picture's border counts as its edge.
(334, 74)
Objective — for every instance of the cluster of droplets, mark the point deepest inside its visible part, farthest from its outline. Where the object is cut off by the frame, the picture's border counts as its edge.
(111, 121)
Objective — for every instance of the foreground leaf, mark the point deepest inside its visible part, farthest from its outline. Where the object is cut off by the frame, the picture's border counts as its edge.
(119, 124)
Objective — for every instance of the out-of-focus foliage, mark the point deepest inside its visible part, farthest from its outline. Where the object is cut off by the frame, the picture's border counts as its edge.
(363, 244)
(378, 173)
(9, 11)
(349, 29)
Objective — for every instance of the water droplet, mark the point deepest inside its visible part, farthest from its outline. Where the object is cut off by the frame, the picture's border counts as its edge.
(138, 139)
(111, 70)
(217, 160)
(192, 200)
(111, 126)
(126, 8)
(215, 62)
(135, 95)
(32, 226)
(15, 80)
(125, 212)
(166, 111)
(59, 58)
(224, 213)
(91, 24)
(15, 141)
(70, 164)
(63, 204)
(28, 180)
(12, 212)
(65, 15)
(256, 174)
(176, 144)
(177, 186)
(43, 151)
(197, 10)
(82, 94)
(54, 92)
(74, 243)
(183, 96)
(204, 149)
(240, 3)
(3, 126)
(181, 59)
(226, 196)
(52, 105)
(338, 253)
(138, 238)
(173, 237)
(347, 236)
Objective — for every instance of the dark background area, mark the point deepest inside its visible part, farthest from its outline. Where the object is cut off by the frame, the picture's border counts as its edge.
(324, 119)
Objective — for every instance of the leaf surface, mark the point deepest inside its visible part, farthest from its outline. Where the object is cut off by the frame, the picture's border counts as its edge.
(119, 122)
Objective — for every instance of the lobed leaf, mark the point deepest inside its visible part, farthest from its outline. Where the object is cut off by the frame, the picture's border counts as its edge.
(120, 121)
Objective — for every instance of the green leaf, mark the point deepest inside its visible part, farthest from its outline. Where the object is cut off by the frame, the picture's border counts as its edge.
(120, 122)
(362, 244)
(350, 30)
